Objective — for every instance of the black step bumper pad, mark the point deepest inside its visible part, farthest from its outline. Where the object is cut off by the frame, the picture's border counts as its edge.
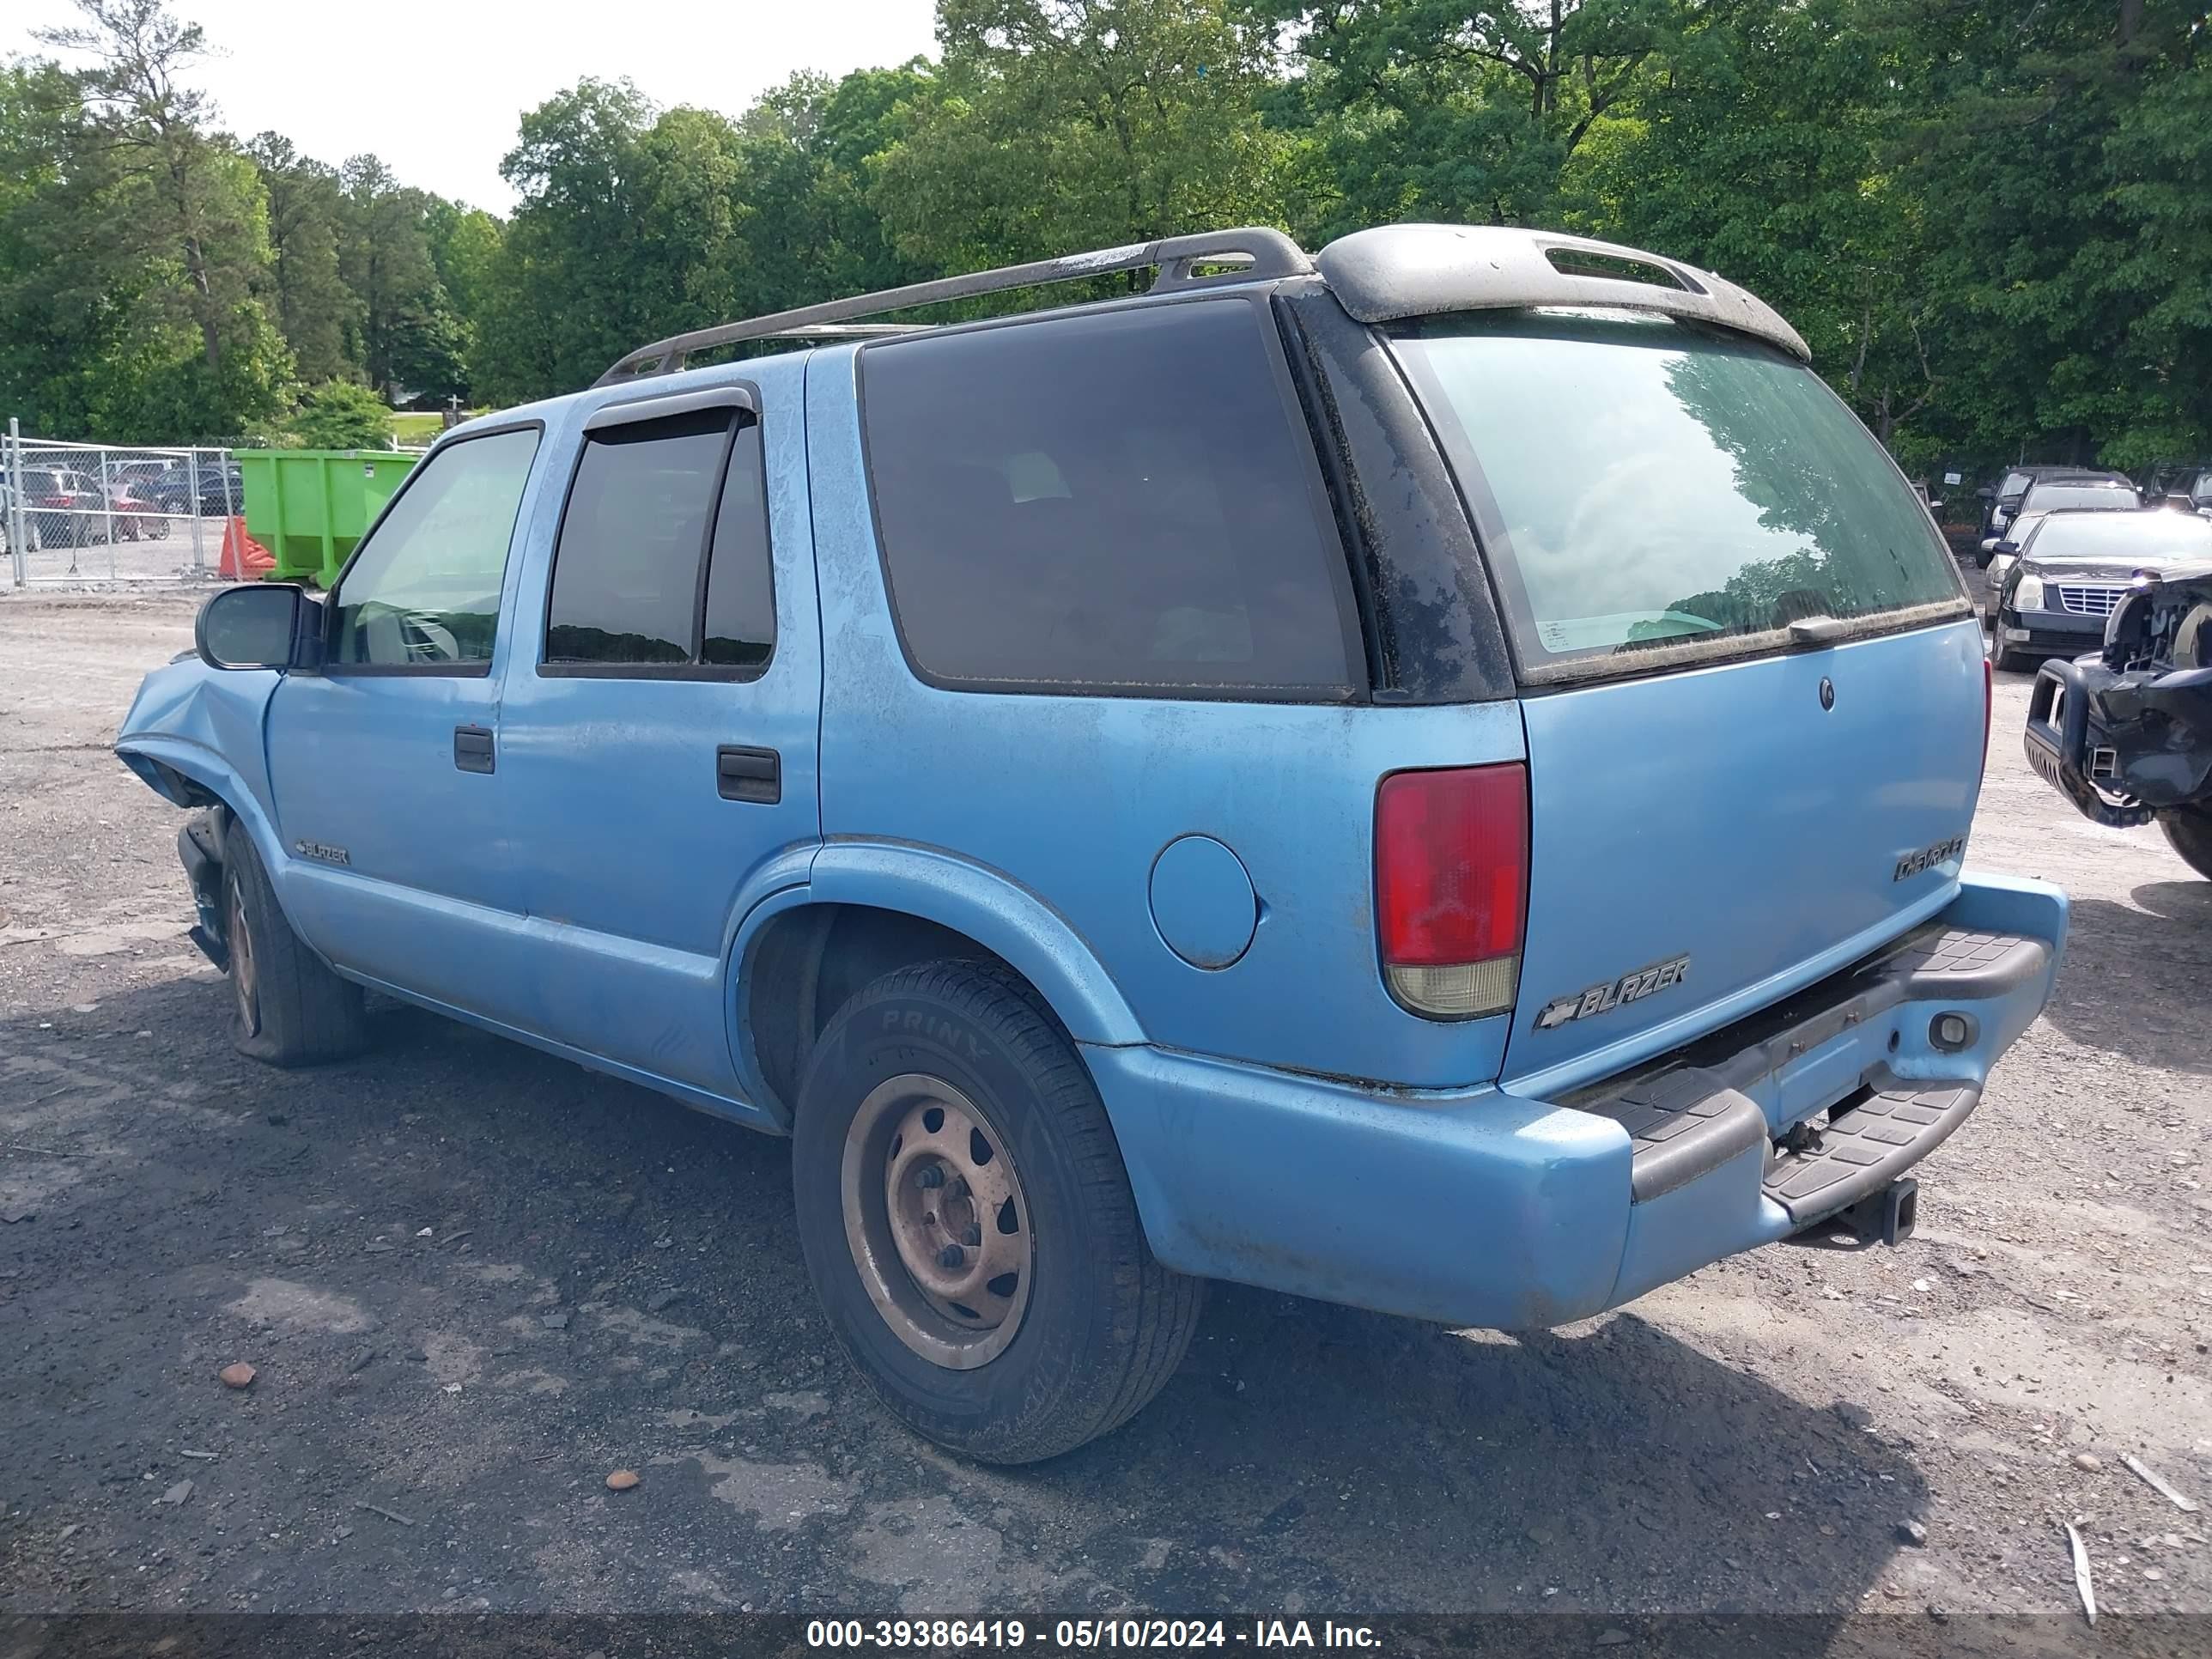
(1694, 1113)
(1868, 1145)
(1682, 1125)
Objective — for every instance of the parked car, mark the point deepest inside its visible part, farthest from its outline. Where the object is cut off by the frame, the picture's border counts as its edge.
(2055, 496)
(2072, 572)
(131, 509)
(2001, 503)
(2168, 479)
(64, 505)
(210, 489)
(1085, 776)
(2126, 734)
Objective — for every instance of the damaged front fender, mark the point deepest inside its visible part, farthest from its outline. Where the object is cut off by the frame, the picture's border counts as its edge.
(194, 736)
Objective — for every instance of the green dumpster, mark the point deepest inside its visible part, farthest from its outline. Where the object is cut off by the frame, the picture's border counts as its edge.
(310, 507)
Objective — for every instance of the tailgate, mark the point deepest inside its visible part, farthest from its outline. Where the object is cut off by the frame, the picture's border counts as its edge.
(1705, 841)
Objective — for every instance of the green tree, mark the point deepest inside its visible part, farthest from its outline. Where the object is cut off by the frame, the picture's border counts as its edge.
(158, 228)
(2061, 150)
(406, 334)
(313, 306)
(1063, 125)
(1437, 109)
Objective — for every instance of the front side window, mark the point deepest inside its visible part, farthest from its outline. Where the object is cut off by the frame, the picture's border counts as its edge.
(1658, 484)
(1113, 501)
(663, 556)
(423, 591)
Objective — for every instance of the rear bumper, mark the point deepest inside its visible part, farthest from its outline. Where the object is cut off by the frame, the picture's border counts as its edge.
(1485, 1208)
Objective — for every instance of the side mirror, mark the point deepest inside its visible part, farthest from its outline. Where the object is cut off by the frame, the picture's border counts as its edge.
(259, 625)
(1987, 492)
(1989, 544)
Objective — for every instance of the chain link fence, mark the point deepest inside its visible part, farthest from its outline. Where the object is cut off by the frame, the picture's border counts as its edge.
(106, 512)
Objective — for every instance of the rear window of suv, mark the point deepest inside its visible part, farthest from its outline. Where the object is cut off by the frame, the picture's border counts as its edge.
(1118, 502)
(2095, 497)
(1650, 490)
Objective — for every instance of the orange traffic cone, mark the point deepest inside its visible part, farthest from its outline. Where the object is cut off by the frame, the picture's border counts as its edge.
(243, 559)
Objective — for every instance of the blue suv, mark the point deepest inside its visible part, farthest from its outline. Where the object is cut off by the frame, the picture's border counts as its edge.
(1432, 776)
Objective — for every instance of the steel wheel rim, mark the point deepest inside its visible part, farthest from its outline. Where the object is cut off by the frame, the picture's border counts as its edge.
(937, 1221)
(242, 985)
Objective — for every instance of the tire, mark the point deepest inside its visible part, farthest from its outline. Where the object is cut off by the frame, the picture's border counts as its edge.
(1083, 1327)
(2188, 832)
(2002, 656)
(286, 1007)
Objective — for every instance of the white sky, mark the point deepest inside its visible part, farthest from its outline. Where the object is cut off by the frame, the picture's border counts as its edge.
(436, 89)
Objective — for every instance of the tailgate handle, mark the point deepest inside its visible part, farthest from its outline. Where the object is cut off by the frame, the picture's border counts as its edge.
(750, 775)
(473, 750)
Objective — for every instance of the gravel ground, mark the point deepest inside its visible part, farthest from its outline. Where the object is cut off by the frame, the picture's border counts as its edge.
(475, 1279)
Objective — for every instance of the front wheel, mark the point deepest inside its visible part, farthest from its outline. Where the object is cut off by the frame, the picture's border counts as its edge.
(287, 1006)
(2002, 656)
(968, 1224)
(2188, 832)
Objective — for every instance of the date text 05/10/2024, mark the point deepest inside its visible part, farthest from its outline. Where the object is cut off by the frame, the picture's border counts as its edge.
(1074, 1635)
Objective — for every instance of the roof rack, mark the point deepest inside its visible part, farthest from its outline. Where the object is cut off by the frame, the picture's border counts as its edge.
(1251, 254)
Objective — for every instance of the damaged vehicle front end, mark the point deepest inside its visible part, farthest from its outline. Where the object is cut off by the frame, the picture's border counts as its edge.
(2126, 734)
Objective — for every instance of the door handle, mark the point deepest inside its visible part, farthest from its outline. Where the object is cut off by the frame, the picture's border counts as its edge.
(472, 750)
(751, 774)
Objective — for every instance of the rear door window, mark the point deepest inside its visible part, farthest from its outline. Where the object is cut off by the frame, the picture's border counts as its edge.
(1115, 501)
(662, 561)
(1651, 491)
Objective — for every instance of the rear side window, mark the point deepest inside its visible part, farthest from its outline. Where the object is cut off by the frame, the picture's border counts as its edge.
(1113, 502)
(663, 556)
(1656, 485)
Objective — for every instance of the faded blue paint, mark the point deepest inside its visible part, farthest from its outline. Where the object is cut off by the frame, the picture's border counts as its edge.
(1203, 902)
(207, 726)
(1283, 1121)
(1725, 814)
(1480, 1206)
(621, 845)
(1289, 789)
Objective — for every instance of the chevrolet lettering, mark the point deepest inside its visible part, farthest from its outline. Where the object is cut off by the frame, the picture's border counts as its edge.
(1929, 857)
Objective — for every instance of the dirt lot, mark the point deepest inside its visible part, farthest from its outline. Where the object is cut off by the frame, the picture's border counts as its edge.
(475, 1279)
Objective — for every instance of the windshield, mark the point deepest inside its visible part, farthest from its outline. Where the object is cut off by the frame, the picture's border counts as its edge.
(1651, 484)
(2097, 498)
(2145, 536)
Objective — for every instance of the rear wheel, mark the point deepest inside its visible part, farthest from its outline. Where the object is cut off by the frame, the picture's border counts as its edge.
(286, 1007)
(2189, 831)
(968, 1224)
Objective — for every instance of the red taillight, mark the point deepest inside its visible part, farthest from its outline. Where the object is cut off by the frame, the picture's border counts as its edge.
(1451, 883)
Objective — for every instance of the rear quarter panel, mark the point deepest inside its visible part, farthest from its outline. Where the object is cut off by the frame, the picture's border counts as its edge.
(1071, 799)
